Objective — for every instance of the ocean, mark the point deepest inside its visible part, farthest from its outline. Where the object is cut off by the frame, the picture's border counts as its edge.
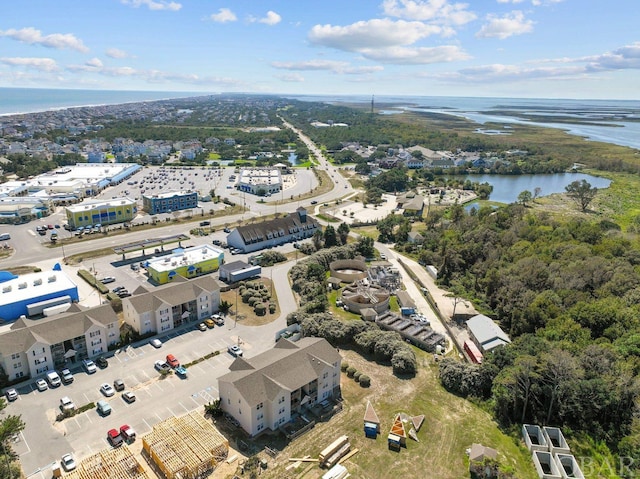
(610, 121)
(32, 100)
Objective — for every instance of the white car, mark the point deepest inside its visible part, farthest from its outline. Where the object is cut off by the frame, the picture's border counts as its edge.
(11, 394)
(41, 384)
(156, 343)
(107, 390)
(66, 404)
(89, 366)
(68, 462)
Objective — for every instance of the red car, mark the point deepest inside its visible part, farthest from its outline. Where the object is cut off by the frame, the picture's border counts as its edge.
(114, 437)
(172, 361)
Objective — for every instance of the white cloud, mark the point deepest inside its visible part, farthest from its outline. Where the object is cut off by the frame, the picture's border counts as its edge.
(510, 24)
(154, 4)
(440, 11)
(32, 36)
(272, 18)
(291, 78)
(513, 1)
(224, 15)
(327, 65)
(371, 34)
(623, 58)
(416, 55)
(94, 62)
(116, 53)
(42, 64)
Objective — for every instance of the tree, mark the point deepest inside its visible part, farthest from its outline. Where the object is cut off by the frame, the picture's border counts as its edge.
(9, 427)
(224, 307)
(581, 192)
(343, 232)
(317, 239)
(330, 238)
(525, 197)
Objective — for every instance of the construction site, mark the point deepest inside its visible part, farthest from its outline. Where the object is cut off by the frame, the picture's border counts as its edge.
(119, 463)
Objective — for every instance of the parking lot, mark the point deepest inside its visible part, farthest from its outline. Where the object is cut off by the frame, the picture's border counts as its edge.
(44, 440)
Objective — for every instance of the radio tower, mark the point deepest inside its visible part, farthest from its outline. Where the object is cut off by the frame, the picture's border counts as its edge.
(372, 97)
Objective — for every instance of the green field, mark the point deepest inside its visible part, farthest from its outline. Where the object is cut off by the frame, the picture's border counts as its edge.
(451, 425)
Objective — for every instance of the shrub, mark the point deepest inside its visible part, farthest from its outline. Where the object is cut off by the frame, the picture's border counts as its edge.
(247, 294)
(365, 381)
(404, 361)
(254, 300)
(357, 375)
(272, 308)
(344, 366)
(351, 371)
(260, 309)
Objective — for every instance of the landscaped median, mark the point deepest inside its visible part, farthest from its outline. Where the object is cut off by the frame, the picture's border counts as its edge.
(93, 281)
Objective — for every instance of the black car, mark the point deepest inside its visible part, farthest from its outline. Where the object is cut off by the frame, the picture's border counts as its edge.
(101, 362)
(227, 230)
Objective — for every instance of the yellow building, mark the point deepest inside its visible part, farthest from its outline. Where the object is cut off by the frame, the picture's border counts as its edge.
(189, 263)
(91, 213)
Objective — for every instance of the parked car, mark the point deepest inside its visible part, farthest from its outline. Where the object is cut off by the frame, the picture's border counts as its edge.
(41, 384)
(210, 323)
(67, 377)
(118, 385)
(235, 350)
(161, 366)
(103, 407)
(227, 230)
(114, 437)
(11, 394)
(108, 279)
(107, 389)
(53, 379)
(181, 371)
(219, 320)
(124, 294)
(117, 289)
(66, 404)
(101, 362)
(156, 343)
(127, 433)
(172, 361)
(129, 396)
(202, 327)
(89, 366)
(68, 462)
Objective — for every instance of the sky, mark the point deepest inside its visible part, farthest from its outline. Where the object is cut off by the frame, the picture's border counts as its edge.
(481, 48)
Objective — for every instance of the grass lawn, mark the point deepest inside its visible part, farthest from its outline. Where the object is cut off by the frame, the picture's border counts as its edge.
(451, 425)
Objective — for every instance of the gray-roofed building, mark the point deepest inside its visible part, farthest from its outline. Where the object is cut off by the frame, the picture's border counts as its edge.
(486, 333)
(257, 236)
(264, 391)
(238, 271)
(31, 347)
(169, 306)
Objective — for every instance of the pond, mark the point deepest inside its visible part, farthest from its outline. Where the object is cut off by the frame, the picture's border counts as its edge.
(506, 188)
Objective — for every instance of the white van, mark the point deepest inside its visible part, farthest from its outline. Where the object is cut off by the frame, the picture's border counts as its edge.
(53, 379)
(5, 237)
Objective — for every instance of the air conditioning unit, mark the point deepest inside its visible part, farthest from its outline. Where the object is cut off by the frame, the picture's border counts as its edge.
(6, 289)
(22, 285)
(37, 282)
(51, 279)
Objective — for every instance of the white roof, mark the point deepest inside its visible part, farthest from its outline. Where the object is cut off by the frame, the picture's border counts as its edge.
(185, 257)
(169, 194)
(89, 205)
(487, 332)
(34, 285)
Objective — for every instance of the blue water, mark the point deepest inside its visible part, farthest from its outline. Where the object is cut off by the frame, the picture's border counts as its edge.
(506, 188)
(614, 114)
(31, 100)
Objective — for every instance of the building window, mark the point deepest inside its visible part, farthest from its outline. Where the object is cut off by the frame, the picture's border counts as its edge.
(17, 365)
(259, 406)
(260, 416)
(15, 355)
(19, 375)
(325, 375)
(228, 400)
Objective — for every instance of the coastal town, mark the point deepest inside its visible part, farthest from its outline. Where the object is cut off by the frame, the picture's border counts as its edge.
(163, 284)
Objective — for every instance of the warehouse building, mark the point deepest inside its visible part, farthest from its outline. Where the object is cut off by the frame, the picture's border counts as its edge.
(238, 271)
(486, 333)
(35, 293)
(260, 181)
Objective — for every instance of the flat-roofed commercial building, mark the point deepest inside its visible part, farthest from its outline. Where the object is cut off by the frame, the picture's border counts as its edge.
(169, 201)
(186, 262)
(31, 294)
(108, 212)
(260, 181)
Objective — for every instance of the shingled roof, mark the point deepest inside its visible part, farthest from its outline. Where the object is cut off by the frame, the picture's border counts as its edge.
(179, 291)
(289, 224)
(287, 366)
(54, 329)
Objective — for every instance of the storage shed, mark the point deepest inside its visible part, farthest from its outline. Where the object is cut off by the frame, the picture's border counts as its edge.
(371, 422)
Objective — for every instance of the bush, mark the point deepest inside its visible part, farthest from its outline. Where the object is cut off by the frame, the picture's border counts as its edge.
(344, 366)
(404, 361)
(351, 371)
(248, 293)
(260, 309)
(272, 308)
(357, 375)
(253, 300)
(365, 381)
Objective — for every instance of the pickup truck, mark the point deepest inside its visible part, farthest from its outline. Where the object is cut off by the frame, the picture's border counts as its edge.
(162, 366)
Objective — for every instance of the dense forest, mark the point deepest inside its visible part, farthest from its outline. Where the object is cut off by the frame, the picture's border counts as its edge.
(567, 291)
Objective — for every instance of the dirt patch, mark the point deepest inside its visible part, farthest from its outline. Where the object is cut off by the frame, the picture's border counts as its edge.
(245, 313)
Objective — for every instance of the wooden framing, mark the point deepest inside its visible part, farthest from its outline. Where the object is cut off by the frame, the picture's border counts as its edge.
(185, 447)
(118, 463)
